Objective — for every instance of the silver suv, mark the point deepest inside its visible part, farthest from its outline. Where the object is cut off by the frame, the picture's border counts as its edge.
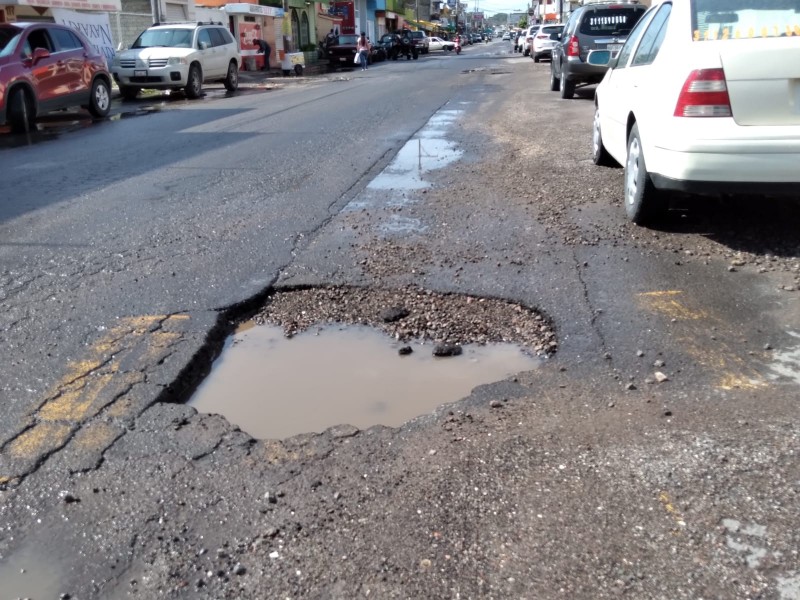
(596, 26)
(178, 56)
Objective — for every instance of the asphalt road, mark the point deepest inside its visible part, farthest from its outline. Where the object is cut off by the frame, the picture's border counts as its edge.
(654, 455)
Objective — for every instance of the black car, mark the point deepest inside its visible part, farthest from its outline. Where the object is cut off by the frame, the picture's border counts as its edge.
(589, 27)
(342, 54)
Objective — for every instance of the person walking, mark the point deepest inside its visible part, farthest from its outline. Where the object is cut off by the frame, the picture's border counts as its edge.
(363, 50)
(263, 46)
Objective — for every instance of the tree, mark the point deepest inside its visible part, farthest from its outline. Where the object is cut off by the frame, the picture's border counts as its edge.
(523, 23)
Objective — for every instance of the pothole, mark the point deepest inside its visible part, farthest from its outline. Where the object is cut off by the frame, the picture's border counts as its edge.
(314, 358)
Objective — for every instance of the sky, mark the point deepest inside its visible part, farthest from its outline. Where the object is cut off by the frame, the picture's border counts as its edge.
(491, 7)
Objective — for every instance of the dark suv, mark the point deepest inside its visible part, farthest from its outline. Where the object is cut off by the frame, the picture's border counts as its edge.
(598, 26)
(420, 40)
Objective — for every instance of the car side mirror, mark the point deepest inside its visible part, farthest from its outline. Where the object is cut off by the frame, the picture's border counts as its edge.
(203, 45)
(599, 58)
(40, 54)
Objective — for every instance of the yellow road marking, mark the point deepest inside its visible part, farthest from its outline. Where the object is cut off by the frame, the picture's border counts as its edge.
(671, 510)
(39, 439)
(732, 371)
(667, 303)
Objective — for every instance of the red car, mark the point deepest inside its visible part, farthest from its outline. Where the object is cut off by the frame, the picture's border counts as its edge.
(46, 67)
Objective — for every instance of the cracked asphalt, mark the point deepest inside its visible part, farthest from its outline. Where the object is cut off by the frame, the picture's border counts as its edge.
(653, 455)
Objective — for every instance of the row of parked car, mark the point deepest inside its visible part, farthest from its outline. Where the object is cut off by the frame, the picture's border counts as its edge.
(697, 98)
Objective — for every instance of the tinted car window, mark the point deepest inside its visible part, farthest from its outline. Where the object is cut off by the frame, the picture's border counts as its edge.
(552, 29)
(66, 40)
(8, 39)
(38, 38)
(630, 43)
(611, 21)
(226, 35)
(731, 19)
(653, 37)
(168, 38)
(216, 36)
(204, 36)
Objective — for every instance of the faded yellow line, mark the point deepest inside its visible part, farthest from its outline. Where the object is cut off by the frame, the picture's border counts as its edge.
(667, 303)
(671, 510)
(96, 436)
(40, 439)
(731, 371)
(88, 382)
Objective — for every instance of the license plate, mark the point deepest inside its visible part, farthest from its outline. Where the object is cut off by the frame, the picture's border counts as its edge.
(140, 73)
(342, 59)
(614, 48)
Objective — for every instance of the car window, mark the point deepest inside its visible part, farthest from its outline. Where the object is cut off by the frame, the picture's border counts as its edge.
(552, 29)
(226, 35)
(65, 39)
(216, 36)
(204, 36)
(8, 39)
(616, 21)
(653, 37)
(38, 38)
(633, 39)
(733, 19)
(164, 38)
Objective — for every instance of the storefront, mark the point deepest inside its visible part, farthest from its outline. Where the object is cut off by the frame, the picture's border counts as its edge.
(248, 23)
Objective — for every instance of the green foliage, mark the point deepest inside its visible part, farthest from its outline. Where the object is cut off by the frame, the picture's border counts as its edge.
(523, 23)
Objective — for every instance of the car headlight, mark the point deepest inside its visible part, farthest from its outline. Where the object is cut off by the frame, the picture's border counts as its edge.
(177, 60)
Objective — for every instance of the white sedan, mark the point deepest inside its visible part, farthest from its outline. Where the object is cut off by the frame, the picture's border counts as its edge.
(437, 43)
(703, 98)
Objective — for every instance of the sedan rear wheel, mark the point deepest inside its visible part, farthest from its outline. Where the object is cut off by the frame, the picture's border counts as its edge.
(643, 202)
(567, 87)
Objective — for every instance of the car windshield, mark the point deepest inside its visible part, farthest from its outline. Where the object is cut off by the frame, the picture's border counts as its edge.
(8, 39)
(164, 38)
(553, 29)
(735, 19)
(345, 40)
(617, 21)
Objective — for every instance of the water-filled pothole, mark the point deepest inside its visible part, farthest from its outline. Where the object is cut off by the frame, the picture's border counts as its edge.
(272, 386)
(350, 372)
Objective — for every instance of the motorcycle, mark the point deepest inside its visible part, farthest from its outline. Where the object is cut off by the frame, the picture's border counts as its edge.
(458, 46)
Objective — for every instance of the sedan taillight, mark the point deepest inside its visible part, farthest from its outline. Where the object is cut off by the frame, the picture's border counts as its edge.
(574, 47)
(704, 94)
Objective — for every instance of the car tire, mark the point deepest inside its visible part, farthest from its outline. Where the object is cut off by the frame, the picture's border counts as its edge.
(128, 93)
(536, 59)
(194, 83)
(100, 99)
(600, 155)
(526, 53)
(644, 204)
(567, 87)
(232, 78)
(555, 83)
(21, 114)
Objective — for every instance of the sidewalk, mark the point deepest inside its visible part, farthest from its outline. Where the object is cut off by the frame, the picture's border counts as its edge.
(256, 77)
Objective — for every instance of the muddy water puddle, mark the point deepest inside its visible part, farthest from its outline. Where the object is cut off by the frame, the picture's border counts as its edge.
(30, 573)
(273, 387)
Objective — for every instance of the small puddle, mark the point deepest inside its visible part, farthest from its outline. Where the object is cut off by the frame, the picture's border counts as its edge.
(273, 387)
(786, 362)
(29, 573)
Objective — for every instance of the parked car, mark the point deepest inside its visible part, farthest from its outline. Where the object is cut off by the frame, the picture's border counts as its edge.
(437, 43)
(342, 55)
(506, 36)
(178, 56)
(702, 99)
(46, 67)
(518, 41)
(399, 43)
(527, 39)
(589, 27)
(543, 42)
(420, 40)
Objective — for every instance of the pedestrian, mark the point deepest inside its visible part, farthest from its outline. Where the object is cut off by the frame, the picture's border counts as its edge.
(363, 50)
(330, 40)
(263, 46)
